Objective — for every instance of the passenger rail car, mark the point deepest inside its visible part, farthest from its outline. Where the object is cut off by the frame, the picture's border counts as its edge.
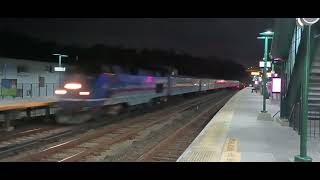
(82, 96)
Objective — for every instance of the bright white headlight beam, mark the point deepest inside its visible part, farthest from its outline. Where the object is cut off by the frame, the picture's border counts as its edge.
(72, 86)
(86, 93)
(60, 91)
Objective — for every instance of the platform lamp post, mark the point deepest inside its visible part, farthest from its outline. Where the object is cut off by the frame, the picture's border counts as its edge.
(60, 68)
(303, 157)
(261, 82)
(272, 65)
(265, 36)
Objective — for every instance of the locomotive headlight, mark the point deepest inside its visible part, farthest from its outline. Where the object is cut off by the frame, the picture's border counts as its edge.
(60, 91)
(72, 86)
(85, 93)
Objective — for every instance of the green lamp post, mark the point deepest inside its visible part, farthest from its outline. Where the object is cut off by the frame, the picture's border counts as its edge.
(265, 36)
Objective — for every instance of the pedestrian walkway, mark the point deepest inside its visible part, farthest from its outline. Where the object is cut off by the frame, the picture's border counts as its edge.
(234, 134)
(10, 104)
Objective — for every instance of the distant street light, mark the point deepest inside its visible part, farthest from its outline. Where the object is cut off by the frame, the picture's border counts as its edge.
(60, 69)
(267, 33)
(265, 36)
(60, 57)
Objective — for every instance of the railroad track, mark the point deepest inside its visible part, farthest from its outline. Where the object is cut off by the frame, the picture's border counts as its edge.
(167, 143)
(24, 133)
(12, 145)
(92, 143)
(20, 141)
(170, 148)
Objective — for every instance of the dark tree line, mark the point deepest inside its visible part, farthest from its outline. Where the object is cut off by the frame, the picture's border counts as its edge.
(16, 45)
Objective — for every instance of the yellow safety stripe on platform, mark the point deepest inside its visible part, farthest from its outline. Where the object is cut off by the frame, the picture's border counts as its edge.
(230, 145)
(209, 145)
(230, 157)
(230, 151)
(24, 105)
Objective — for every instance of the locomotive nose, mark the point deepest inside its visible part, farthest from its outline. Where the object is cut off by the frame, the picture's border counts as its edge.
(74, 86)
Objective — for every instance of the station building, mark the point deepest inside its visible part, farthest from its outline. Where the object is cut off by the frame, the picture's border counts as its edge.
(289, 46)
(21, 78)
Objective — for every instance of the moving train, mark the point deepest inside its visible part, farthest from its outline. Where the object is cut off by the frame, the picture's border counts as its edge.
(84, 97)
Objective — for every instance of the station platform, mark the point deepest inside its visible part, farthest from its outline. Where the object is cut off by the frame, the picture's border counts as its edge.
(236, 135)
(12, 109)
(6, 105)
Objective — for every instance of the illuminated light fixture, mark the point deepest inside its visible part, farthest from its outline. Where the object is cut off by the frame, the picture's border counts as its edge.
(205, 85)
(60, 91)
(275, 75)
(299, 22)
(267, 33)
(261, 64)
(72, 86)
(276, 85)
(255, 73)
(277, 59)
(308, 21)
(86, 93)
(59, 69)
(269, 74)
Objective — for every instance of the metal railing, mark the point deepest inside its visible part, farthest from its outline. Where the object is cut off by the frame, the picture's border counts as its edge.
(293, 70)
(295, 122)
(30, 90)
(314, 127)
(295, 116)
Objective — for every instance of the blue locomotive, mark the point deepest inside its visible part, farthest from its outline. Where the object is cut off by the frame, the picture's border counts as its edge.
(84, 96)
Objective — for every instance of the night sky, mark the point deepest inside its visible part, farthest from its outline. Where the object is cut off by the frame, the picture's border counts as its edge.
(233, 38)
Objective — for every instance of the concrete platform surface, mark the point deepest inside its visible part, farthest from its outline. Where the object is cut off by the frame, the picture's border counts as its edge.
(235, 135)
(25, 103)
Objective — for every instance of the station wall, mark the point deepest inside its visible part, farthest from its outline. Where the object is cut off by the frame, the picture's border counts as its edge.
(32, 78)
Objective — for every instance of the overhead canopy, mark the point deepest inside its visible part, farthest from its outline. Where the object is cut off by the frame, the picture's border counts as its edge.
(283, 33)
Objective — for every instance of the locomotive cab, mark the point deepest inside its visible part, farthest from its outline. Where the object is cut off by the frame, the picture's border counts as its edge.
(80, 93)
